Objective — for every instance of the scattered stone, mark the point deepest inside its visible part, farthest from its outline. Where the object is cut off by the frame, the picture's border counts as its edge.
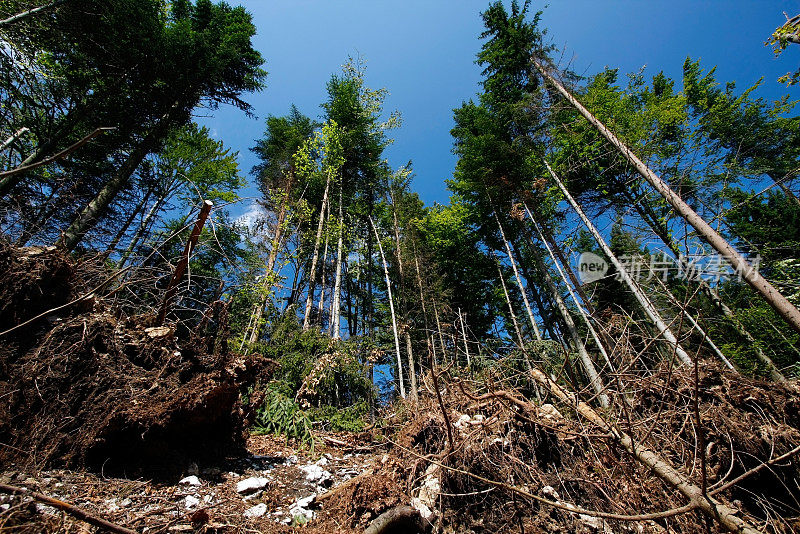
(256, 511)
(252, 484)
(191, 501)
(315, 473)
(191, 481)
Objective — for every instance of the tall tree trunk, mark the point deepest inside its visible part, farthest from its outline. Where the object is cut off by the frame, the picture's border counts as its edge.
(774, 298)
(391, 308)
(428, 334)
(586, 361)
(323, 275)
(584, 315)
(439, 329)
(412, 372)
(521, 286)
(313, 272)
(336, 305)
(508, 302)
(464, 337)
(272, 259)
(154, 209)
(127, 224)
(645, 302)
(92, 213)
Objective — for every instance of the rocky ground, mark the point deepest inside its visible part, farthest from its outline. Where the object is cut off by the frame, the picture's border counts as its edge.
(275, 485)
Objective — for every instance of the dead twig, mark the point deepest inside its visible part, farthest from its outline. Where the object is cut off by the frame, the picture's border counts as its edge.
(73, 510)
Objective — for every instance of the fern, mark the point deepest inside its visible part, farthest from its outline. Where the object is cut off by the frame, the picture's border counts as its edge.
(282, 416)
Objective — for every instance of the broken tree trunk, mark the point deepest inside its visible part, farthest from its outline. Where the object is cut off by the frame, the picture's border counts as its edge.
(643, 299)
(774, 298)
(180, 269)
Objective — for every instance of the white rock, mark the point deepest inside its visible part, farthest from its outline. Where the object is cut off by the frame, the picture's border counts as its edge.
(322, 461)
(315, 473)
(426, 513)
(462, 421)
(191, 501)
(256, 511)
(251, 484)
(305, 502)
(191, 481)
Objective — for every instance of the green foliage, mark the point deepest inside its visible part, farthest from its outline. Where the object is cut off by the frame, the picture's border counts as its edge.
(349, 419)
(281, 415)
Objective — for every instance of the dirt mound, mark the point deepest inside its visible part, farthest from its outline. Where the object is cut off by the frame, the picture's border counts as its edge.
(83, 387)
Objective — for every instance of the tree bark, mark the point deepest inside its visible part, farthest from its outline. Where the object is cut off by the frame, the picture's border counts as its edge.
(646, 213)
(518, 278)
(336, 304)
(92, 213)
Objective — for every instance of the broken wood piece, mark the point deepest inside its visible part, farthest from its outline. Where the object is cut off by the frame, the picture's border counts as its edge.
(73, 510)
(398, 519)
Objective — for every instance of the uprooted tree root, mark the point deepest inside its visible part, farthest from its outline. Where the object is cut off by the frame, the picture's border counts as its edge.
(84, 387)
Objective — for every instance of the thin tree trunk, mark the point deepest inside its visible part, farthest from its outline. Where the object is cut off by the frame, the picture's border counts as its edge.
(464, 334)
(645, 302)
(313, 272)
(391, 308)
(439, 328)
(25, 14)
(136, 211)
(774, 298)
(428, 334)
(336, 305)
(92, 213)
(586, 361)
(16, 135)
(508, 302)
(324, 268)
(272, 259)
(155, 208)
(518, 278)
(412, 373)
(581, 311)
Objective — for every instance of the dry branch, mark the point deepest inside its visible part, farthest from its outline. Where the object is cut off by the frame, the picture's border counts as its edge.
(73, 510)
(725, 515)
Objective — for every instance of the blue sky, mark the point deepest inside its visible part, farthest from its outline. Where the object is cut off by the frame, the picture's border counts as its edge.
(423, 52)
